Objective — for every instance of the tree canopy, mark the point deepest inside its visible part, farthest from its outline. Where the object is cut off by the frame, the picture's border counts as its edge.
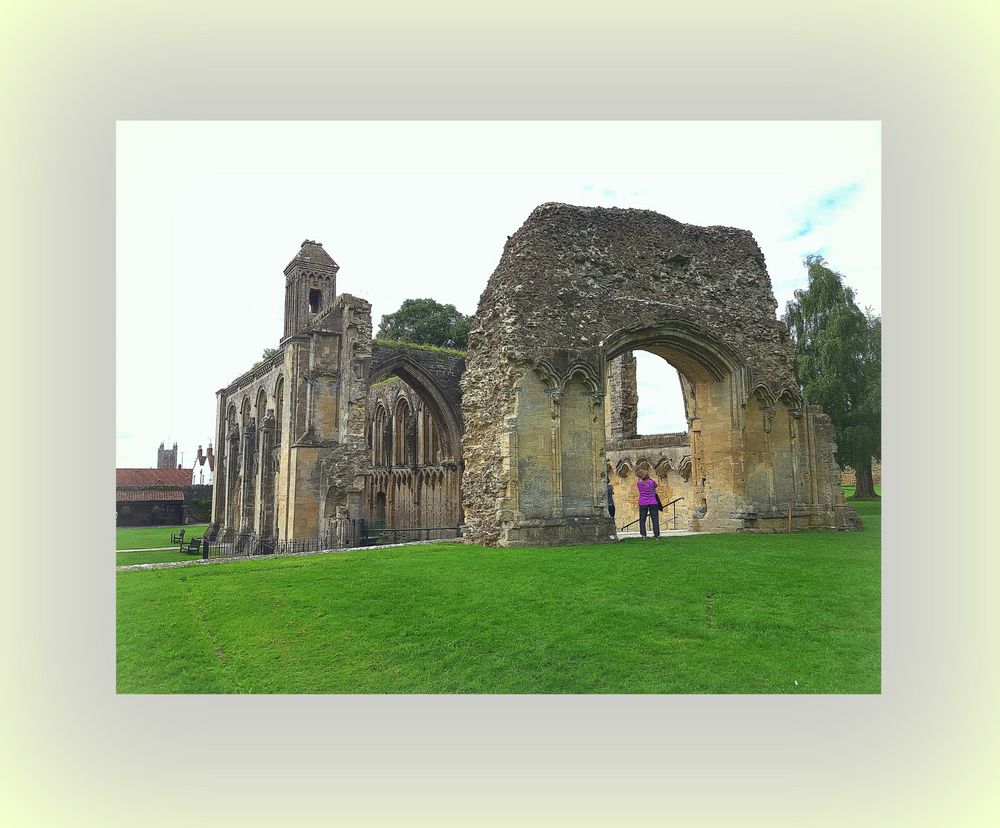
(427, 322)
(838, 363)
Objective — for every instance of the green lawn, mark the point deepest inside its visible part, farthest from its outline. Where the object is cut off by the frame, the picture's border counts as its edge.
(127, 557)
(849, 491)
(793, 613)
(150, 537)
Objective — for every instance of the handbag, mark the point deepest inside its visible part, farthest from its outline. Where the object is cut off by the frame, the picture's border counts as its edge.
(659, 503)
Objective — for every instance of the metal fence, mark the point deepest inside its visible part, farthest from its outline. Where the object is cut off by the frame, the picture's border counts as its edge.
(354, 533)
(246, 545)
(375, 533)
(672, 519)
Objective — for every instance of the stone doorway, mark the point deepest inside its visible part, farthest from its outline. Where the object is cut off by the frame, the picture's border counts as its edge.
(631, 404)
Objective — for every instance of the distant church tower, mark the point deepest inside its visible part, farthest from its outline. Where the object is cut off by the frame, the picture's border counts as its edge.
(310, 286)
(166, 458)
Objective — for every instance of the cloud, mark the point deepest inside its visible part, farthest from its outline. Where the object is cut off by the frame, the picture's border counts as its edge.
(823, 209)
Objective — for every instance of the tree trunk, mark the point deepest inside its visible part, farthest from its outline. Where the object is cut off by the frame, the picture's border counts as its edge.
(865, 489)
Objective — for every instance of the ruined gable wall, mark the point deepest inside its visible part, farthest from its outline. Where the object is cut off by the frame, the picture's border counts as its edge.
(570, 277)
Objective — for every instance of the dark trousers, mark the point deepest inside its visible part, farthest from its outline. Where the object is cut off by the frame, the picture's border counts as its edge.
(654, 514)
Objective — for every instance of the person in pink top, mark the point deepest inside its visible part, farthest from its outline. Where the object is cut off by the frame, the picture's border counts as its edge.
(648, 504)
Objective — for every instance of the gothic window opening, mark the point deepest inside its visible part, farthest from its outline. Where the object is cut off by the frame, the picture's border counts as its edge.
(279, 405)
(315, 297)
(660, 400)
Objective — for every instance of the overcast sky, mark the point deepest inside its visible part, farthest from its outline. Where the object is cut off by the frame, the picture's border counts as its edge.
(209, 214)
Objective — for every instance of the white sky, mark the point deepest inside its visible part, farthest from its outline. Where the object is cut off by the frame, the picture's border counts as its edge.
(209, 214)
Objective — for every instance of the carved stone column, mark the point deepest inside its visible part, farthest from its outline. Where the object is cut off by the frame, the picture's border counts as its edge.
(232, 474)
(248, 481)
(556, 454)
(266, 468)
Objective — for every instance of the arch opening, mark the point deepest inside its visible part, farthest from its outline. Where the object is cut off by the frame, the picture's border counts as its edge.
(676, 419)
(431, 394)
(414, 449)
(590, 285)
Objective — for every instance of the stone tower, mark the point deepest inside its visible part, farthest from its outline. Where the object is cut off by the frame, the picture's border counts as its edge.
(310, 286)
(291, 455)
(166, 458)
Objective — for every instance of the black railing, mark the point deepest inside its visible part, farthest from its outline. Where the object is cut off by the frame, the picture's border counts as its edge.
(376, 533)
(673, 503)
(673, 519)
(248, 546)
(355, 533)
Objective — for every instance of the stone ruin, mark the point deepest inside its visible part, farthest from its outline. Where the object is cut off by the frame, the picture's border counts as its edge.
(298, 455)
(511, 441)
(577, 290)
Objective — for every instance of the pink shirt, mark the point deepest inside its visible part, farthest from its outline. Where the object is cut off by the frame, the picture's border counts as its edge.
(647, 492)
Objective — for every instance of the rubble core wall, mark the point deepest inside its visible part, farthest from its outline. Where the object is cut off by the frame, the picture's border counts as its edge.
(579, 286)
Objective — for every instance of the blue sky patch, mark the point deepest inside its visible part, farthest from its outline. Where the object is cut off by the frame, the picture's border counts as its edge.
(823, 209)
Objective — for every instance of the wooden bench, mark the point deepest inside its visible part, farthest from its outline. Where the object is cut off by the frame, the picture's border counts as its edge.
(179, 537)
(192, 546)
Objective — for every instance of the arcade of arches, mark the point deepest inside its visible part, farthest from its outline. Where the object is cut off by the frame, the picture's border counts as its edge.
(414, 483)
(512, 441)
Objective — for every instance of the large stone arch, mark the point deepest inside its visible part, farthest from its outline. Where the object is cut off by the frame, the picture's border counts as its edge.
(576, 287)
(435, 377)
(716, 378)
(431, 393)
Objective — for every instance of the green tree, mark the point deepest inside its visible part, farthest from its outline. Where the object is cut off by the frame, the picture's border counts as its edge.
(266, 355)
(427, 322)
(838, 363)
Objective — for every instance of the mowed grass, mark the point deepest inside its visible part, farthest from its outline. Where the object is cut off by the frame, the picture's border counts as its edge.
(151, 537)
(127, 557)
(793, 613)
(849, 492)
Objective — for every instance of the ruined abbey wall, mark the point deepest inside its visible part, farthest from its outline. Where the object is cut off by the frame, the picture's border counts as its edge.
(290, 453)
(514, 439)
(296, 458)
(577, 287)
(290, 431)
(415, 479)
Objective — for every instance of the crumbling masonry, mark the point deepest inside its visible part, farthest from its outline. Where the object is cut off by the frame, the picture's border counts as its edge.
(580, 288)
(512, 441)
(296, 453)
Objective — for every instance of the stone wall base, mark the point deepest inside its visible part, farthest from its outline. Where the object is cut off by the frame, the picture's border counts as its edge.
(562, 532)
(840, 518)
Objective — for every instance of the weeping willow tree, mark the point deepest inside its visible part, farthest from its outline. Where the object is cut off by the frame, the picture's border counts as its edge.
(838, 363)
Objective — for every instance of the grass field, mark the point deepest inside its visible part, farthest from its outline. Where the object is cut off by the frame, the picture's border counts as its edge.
(127, 557)
(849, 492)
(793, 613)
(150, 537)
